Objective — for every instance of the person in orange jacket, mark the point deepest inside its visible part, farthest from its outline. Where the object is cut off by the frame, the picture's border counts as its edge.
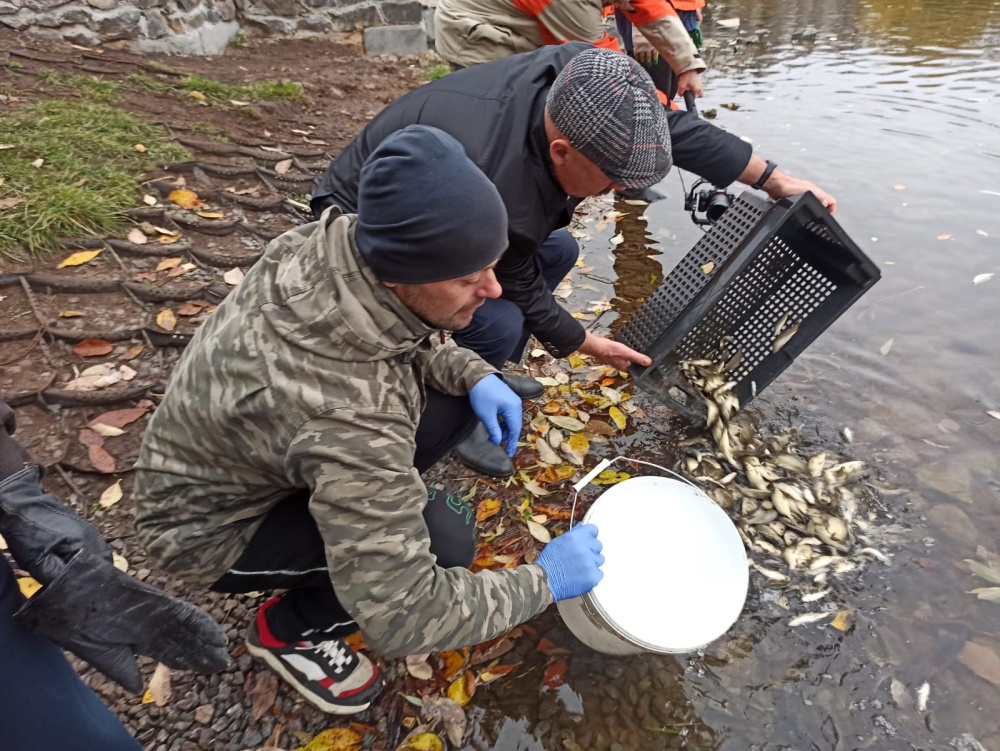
(470, 32)
(690, 13)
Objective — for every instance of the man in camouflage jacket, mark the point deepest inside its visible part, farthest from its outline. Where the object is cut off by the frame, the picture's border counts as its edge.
(285, 453)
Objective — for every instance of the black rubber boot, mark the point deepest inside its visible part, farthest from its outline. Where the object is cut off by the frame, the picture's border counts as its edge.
(478, 452)
(526, 388)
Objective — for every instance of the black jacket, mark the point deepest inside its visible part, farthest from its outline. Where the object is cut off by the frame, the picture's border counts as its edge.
(496, 111)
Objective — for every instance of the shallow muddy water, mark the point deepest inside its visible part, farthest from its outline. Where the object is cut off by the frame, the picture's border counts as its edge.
(894, 109)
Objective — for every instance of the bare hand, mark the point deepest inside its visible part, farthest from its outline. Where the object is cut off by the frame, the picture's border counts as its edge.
(616, 354)
(793, 186)
(690, 81)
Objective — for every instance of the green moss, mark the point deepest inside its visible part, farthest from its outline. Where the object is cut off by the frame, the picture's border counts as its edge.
(438, 71)
(89, 174)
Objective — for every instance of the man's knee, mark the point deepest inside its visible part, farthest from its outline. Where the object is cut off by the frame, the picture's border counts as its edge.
(495, 331)
(558, 254)
(451, 523)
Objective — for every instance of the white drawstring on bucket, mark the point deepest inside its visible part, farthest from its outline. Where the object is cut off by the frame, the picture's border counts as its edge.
(603, 465)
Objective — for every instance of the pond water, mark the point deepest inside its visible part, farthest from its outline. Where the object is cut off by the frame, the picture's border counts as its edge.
(895, 109)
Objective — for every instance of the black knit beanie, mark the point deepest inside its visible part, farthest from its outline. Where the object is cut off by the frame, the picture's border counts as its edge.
(426, 213)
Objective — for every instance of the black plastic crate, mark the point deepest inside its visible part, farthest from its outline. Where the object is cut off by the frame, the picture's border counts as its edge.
(760, 261)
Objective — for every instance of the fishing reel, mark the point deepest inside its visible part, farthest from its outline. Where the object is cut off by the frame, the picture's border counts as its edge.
(708, 204)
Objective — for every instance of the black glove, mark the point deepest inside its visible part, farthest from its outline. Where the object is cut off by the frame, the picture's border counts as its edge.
(87, 605)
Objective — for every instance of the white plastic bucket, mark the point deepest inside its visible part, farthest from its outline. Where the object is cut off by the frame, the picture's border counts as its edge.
(675, 571)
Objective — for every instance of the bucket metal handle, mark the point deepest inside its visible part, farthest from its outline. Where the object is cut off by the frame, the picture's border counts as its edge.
(603, 465)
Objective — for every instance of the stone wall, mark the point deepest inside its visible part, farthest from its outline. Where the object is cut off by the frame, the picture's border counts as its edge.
(199, 27)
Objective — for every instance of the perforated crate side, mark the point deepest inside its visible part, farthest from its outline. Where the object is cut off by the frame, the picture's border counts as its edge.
(795, 260)
(687, 279)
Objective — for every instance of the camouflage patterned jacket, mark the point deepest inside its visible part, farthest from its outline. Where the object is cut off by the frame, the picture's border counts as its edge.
(311, 375)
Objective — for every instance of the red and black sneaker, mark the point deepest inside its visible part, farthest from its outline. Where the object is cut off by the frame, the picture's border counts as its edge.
(330, 674)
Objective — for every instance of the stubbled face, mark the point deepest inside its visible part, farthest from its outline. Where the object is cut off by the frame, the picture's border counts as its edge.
(449, 304)
(577, 175)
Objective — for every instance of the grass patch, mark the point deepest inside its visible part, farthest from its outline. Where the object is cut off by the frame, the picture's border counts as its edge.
(89, 176)
(89, 87)
(438, 71)
(239, 41)
(14, 65)
(152, 84)
(260, 91)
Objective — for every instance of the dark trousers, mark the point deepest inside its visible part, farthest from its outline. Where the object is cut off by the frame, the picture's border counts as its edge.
(497, 333)
(287, 550)
(43, 703)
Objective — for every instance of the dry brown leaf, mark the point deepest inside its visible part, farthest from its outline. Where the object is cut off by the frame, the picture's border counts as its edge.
(9, 203)
(188, 309)
(92, 348)
(166, 319)
(137, 237)
(981, 660)
(159, 685)
(178, 271)
(101, 459)
(262, 688)
(119, 418)
(233, 277)
(283, 166)
(79, 258)
(38, 163)
(454, 661)
(134, 351)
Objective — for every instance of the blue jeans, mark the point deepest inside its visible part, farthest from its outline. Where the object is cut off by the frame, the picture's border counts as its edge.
(43, 703)
(497, 333)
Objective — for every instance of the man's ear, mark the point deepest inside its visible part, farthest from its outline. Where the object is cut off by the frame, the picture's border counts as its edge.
(559, 150)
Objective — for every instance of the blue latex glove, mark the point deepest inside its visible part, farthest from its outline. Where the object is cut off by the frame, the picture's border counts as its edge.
(572, 562)
(492, 398)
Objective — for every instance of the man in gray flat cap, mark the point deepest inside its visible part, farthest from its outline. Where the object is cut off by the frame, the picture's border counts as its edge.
(549, 128)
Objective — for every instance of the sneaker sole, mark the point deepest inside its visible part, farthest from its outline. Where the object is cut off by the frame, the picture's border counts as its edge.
(278, 666)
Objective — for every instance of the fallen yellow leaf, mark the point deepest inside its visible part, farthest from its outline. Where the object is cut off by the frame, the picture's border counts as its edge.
(487, 508)
(79, 258)
(457, 691)
(840, 622)
(147, 697)
(210, 214)
(28, 586)
(70, 314)
(112, 494)
(168, 263)
(944, 237)
(197, 96)
(140, 148)
(166, 319)
(334, 739)
(425, 742)
(186, 199)
(618, 417)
